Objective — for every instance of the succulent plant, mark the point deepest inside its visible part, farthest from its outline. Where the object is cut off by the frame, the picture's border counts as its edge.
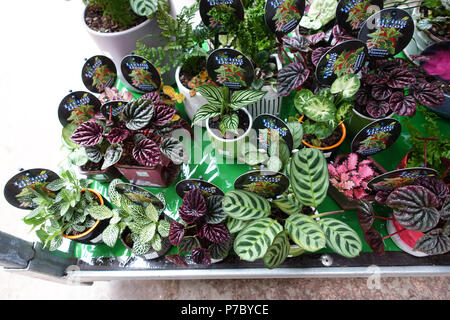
(351, 175)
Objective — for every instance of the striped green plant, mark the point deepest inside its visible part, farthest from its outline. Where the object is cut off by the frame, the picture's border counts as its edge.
(305, 232)
(288, 204)
(235, 225)
(278, 251)
(244, 205)
(309, 176)
(144, 8)
(341, 238)
(254, 240)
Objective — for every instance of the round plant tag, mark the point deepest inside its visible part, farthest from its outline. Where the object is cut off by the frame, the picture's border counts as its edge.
(78, 107)
(344, 58)
(15, 192)
(98, 73)
(230, 68)
(399, 178)
(387, 32)
(139, 195)
(111, 110)
(283, 16)
(222, 6)
(140, 74)
(376, 137)
(350, 14)
(268, 184)
(207, 189)
(270, 129)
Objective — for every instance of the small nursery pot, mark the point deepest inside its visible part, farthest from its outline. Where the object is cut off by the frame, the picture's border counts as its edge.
(152, 254)
(229, 147)
(406, 239)
(444, 109)
(271, 102)
(106, 175)
(94, 234)
(328, 151)
(358, 121)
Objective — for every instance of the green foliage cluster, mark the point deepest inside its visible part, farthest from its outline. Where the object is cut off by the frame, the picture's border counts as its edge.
(117, 10)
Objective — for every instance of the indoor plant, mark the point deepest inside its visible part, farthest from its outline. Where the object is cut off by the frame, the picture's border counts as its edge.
(227, 120)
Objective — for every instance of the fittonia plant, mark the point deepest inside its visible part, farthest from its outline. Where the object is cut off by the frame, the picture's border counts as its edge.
(262, 232)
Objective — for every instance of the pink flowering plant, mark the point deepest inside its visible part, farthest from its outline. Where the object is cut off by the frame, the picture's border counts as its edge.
(351, 175)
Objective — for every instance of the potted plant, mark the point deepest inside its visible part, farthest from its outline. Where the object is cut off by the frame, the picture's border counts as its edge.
(323, 114)
(142, 229)
(382, 93)
(137, 142)
(227, 120)
(419, 223)
(201, 230)
(65, 208)
(116, 25)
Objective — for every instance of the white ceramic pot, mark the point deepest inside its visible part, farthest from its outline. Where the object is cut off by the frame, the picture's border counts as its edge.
(271, 103)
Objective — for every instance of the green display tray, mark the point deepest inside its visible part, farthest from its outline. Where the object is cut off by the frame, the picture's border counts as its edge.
(223, 175)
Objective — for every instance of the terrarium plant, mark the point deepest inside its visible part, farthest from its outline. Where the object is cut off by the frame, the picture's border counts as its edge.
(201, 230)
(64, 208)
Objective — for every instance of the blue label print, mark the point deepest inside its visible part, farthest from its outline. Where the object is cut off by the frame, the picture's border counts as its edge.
(228, 60)
(350, 5)
(276, 3)
(75, 104)
(269, 124)
(134, 65)
(220, 2)
(264, 178)
(373, 131)
(390, 23)
(90, 73)
(328, 72)
(31, 180)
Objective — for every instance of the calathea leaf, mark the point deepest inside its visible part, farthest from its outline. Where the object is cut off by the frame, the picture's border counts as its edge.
(215, 213)
(428, 94)
(137, 114)
(236, 225)
(414, 208)
(278, 250)
(117, 135)
(244, 205)
(253, 241)
(288, 204)
(94, 154)
(374, 240)
(433, 243)
(206, 112)
(112, 155)
(341, 238)
(162, 115)
(216, 233)
(213, 94)
(229, 122)
(291, 77)
(243, 98)
(305, 232)
(176, 232)
(309, 176)
(147, 153)
(174, 150)
(89, 133)
(201, 256)
(193, 206)
(402, 105)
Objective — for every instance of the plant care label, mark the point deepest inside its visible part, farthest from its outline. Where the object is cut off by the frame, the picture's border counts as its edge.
(139, 195)
(220, 6)
(387, 32)
(207, 189)
(140, 74)
(376, 137)
(78, 107)
(267, 184)
(344, 58)
(269, 130)
(98, 73)
(351, 14)
(283, 16)
(111, 110)
(399, 178)
(16, 192)
(230, 68)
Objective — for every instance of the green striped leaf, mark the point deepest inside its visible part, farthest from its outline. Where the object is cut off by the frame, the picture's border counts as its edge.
(309, 176)
(243, 98)
(278, 251)
(144, 8)
(296, 130)
(235, 225)
(341, 238)
(288, 204)
(205, 112)
(244, 205)
(229, 122)
(305, 232)
(213, 94)
(254, 240)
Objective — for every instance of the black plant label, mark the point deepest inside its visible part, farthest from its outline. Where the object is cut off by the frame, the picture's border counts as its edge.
(230, 68)
(140, 73)
(139, 195)
(111, 110)
(351, 14)
(283, 16)
(98, 73)
(387, 32)
(14, 189)
(271, 129)
(344, 58)
(206, 188)
(376, 137)
(234, 6)
(399, 178)
(78, 107)
(267, 184)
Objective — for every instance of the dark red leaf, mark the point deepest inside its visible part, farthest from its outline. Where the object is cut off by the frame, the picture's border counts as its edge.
(193, 206)
(428, 94)
(363, 95)
(340, 35)
(177, 260)
(201, 256)
(377, 109)
(375, 78)
(366, 216)
(401, 78)
(381, 92)
(176, 232)
(162, 115)
(374, 240)
(147, 153)
(216, 233)
(318, 53)
(291, 77)
(316, 38)
(154, 97)
(381, 197)
(435, 185)
(117, 135)
(386, 66)
(88, 133)
(402, 105)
